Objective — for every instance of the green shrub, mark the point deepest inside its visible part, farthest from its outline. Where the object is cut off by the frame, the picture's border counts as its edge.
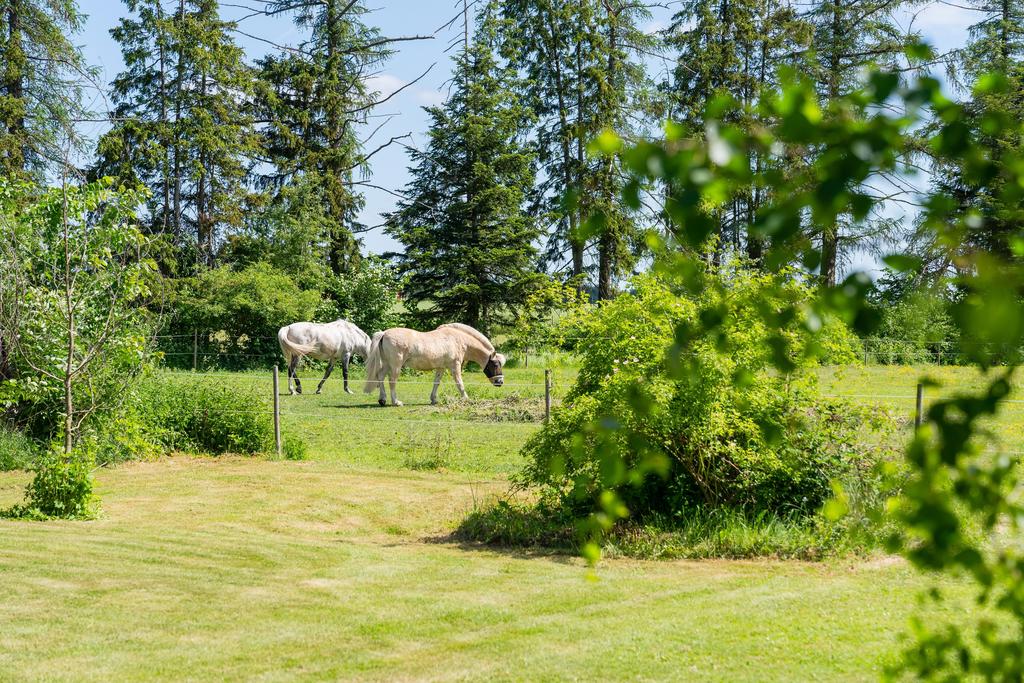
(838, 345)
(725, 434)
(61, 487)
(237, 313)
(368, 298)
(539, 324)
(293, 448)
(125, 437)
(190, 414)
(17, 451)
(915, 329)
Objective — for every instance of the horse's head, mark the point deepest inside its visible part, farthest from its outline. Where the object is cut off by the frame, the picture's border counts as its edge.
(493, 369)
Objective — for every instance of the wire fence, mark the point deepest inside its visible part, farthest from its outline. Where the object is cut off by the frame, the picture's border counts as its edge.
(522, 412)
(532, 409)
(210, 350)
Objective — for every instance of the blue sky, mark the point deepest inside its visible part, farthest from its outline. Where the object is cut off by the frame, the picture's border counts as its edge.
(942, 24)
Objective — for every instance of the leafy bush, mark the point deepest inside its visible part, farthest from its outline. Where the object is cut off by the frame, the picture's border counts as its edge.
(837, 344)
(188, 414)
(539, 324)
(17, 451)
(237, 314)
(723, 434)
(368, 297)
(61, 487)
(125, 437)
(915, 329)
(293, 448)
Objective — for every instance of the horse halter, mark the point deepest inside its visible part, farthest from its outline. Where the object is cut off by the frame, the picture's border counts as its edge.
(491, 369)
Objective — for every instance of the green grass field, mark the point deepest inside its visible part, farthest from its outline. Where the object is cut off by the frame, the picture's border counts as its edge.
(340, 567)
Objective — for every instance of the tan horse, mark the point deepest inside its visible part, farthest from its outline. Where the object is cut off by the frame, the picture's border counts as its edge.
(446, 348)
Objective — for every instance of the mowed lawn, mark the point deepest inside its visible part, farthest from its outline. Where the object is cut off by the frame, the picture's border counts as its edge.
(340, 567)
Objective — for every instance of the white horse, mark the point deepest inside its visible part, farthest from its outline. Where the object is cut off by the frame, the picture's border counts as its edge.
(339, 340)
(446, 348)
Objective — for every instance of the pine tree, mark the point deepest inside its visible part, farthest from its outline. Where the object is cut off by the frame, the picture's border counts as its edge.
(41, 73)
(851, 37)
(732, 49)
(314, 100)
(581, 62)
(181, 124)
(467, 232)
(995, 48)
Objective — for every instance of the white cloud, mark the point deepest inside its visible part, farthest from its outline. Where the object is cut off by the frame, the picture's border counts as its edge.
(945, 26)
(385, 84)
(430, 98)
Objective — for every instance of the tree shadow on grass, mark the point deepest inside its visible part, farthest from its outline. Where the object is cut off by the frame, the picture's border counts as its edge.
(557, 554)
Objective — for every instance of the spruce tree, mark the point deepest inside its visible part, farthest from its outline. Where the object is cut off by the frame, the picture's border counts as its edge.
(467, 233)
(852, 37)
(313, 101)
(732, 49)
(582, 65)
(41, 73)
(181, 122)
(995, 51)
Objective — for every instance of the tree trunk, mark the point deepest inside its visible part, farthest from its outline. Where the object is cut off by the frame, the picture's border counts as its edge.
(830, 233)
(607, 243)
(829, 254)
(204, 227)
(555, 57)
(576, 244)
(69, 361)
(166, 161)
(176, 134)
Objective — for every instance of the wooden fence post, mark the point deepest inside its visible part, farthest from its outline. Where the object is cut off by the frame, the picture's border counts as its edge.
(547, 395)
(277, 414)
(920, 404)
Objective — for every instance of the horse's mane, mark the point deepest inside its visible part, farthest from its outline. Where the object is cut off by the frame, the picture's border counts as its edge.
(472, 332)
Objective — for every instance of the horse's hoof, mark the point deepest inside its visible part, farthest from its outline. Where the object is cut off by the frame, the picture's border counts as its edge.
(399, 403)
(433, 401)
(382, 402)
(317, 392)
(349, 391)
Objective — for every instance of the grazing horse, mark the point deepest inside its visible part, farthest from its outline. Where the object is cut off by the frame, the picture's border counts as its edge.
(446, 348)
(339, 340)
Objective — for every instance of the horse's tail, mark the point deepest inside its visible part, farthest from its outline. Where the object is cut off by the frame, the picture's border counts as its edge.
(290, 348)
(374, 364)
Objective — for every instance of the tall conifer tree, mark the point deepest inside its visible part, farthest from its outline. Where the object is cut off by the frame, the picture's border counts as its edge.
(41, 72)
(181, 122)
(313, 100)
(734, 49)
(995, 52)
(468, 235)
(582, 63)
(851, 37)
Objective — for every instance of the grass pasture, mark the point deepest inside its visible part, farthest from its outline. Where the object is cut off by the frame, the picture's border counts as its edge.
(341, 566)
